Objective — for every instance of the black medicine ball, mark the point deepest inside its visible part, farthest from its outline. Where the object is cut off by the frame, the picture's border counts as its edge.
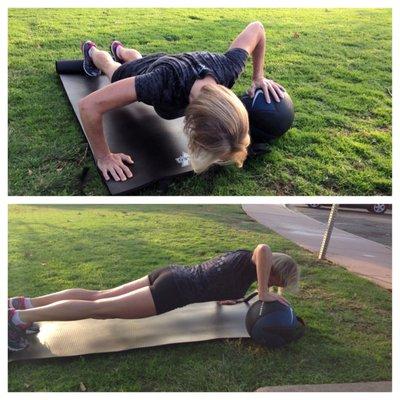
(268, 121)
(273, 324)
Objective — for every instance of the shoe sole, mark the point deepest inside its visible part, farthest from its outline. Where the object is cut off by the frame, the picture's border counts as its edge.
(18, 349)
(32, 332)
(15, 350)
(89, 74)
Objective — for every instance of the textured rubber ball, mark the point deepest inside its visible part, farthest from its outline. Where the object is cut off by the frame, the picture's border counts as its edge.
(268, 121)
(273, 324)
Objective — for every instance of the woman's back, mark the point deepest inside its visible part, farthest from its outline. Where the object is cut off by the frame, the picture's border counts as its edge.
(224, 277)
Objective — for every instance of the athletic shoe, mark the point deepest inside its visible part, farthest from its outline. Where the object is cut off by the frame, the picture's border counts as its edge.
(113, 50)
(18, 303)
(88, 65)
(16, 337)
(32, 329)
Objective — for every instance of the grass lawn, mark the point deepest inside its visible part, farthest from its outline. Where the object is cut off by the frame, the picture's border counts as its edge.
(56, 247)
(335, 63)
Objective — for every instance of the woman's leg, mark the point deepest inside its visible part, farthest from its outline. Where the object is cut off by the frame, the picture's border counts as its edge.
(104, 61)
(136, 304)
(127, 54)
(89, 295)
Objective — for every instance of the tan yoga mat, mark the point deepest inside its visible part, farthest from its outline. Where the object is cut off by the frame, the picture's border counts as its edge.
(193, 323)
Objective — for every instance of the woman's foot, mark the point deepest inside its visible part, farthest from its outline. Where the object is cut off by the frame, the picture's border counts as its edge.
(88, 65)
(16, 339)
(33, 329)
(21, 303)
(114, 51)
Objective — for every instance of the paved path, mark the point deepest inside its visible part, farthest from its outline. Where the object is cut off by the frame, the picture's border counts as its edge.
(375, 227)
(333, 387)
(362, 256)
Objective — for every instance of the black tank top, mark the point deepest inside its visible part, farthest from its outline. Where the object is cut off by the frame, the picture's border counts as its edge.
(225, 277)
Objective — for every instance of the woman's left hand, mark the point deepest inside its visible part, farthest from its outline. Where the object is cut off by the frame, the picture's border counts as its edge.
(269, 87)
(269, 297)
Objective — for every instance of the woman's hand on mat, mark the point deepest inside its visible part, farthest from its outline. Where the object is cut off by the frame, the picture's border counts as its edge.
(227, 302)
(268, 297)
(115, 164)
(269, 87)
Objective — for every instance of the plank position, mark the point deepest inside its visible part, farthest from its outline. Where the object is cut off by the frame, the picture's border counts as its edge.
(225, 278)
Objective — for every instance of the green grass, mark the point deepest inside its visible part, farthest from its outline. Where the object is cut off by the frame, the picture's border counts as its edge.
(335, 63)
(51, 248)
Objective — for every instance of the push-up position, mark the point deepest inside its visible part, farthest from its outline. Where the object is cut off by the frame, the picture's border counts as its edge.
(225, 278)
(195, 85)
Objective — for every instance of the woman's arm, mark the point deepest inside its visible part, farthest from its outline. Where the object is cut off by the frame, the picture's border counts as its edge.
(91, 109)
(262, 258)
(252, 39)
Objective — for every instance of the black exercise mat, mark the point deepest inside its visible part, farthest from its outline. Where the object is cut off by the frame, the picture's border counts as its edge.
(157, 146)
(193, 323)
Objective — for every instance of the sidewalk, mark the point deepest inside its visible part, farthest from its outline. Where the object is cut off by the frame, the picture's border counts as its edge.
(361, 256)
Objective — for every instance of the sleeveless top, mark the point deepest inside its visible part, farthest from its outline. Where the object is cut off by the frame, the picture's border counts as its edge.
(226, 277)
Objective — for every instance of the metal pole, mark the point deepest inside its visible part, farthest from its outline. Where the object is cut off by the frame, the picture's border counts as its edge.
(328, 232)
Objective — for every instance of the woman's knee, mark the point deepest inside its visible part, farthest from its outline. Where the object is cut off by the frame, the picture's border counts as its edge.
(99, 294)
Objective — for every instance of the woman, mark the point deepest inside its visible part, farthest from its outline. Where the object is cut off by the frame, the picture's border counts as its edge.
(225, 279)
(195, 85)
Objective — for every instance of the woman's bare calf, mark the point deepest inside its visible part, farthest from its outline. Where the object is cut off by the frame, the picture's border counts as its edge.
(128, 54)
(103, 61)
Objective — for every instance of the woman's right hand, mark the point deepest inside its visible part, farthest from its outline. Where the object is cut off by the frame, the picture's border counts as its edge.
(269, 297)
(114, 164)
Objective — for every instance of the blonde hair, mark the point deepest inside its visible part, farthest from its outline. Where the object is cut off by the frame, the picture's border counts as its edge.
(217, 126)
(287, 270)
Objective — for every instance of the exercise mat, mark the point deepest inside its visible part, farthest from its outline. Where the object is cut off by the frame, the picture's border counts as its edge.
(157, 146)
(193, 323)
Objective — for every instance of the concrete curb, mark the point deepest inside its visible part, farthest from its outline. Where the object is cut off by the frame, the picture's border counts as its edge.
(384, 386)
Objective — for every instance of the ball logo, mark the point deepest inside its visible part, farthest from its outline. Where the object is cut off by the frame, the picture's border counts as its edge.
(259, 92)
(183, 159)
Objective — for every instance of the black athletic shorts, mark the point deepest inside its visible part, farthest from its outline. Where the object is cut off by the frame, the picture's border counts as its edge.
(164, 290)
